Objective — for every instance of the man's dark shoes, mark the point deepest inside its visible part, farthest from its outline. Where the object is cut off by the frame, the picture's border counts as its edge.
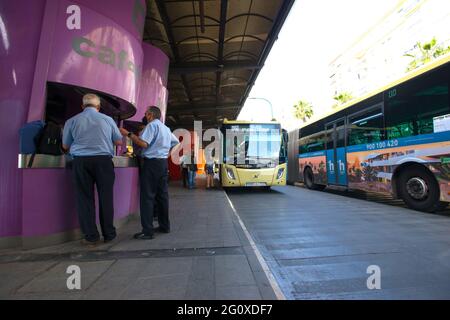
(90, 244)
(143, 236)
(109, 239)
(161, 230)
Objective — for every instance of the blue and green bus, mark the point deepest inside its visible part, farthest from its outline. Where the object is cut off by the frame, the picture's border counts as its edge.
(395, 140)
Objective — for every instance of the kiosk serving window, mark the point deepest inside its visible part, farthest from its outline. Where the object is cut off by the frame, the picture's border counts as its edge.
(64, 101)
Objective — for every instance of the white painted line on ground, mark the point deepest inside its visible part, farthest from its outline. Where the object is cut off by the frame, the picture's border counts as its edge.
(273, 282)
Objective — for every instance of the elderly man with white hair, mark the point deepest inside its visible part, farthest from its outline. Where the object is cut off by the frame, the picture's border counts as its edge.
(90, 138)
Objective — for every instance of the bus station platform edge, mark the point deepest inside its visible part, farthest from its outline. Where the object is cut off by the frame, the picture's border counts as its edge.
(207, 256)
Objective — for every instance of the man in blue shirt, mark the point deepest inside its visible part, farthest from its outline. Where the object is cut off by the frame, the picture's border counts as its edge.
(90, 138)
(156, 142)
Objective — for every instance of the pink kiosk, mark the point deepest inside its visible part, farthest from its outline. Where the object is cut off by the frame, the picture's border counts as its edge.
(48, 61)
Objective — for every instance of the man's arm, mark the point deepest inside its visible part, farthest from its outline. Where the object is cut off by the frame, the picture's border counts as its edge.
(136, 140)
(174, 145)
(65, 148)
(116, 134)
(67, 139)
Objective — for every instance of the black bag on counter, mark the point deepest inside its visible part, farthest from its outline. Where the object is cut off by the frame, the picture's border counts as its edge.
(49, 141)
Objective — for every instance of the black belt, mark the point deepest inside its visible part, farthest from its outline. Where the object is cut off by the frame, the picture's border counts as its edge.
(97, 156)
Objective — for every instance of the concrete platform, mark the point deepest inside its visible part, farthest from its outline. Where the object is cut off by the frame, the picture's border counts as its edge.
(206, 256)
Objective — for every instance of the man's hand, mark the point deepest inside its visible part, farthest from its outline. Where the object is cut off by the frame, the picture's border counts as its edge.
(141, 143)
(124, 132)
(65, 148)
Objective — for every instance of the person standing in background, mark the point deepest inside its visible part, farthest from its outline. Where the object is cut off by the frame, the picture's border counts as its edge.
(192, 170)
(90, 138)
(209, 170)
(156, 142)
(184, 170)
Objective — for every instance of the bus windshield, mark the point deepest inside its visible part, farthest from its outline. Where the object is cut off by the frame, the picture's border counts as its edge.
(253, 144)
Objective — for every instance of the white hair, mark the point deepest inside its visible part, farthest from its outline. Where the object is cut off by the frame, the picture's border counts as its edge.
(91, 99)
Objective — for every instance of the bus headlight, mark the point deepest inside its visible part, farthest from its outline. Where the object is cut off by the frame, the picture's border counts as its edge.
(230, 174)
(280, 173)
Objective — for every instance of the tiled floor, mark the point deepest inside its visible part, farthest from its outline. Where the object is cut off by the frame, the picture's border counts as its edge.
(204, 257)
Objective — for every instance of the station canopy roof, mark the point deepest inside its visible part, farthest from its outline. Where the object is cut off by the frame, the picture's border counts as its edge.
(216, 50)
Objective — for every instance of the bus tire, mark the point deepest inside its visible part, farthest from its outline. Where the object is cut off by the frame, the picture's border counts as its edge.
(442, 206)
(419, 189)
(309, 180)
(320, 187)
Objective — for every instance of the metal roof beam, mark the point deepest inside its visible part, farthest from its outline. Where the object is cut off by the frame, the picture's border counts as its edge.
(187, 109)
(223, 23)
(202, 16)
(208, 67)
(166, 22)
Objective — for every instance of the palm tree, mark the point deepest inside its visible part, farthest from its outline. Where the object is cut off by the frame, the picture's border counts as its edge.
(424, 53)
(342, 98)
(303, 110)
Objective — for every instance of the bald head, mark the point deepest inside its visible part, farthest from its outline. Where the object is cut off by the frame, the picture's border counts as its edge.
(91, 100)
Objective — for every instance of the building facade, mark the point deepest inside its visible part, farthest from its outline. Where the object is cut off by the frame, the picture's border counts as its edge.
(378, 55)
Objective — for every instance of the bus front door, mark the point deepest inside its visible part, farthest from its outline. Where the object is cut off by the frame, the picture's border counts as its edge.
(336, 153)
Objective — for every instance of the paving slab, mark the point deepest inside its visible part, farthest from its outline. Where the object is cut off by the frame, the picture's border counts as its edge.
(202, 258)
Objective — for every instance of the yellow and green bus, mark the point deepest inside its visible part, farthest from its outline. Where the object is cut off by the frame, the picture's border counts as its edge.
(254, 154)
(395, 140)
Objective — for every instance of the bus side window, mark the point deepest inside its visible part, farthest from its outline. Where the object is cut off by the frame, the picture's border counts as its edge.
(329, 137)
(366, 127)
(411, 111)
(312, 143)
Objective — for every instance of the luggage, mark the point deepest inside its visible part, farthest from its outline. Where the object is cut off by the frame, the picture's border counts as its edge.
(50, 140)
(39, 138)
(27, 136)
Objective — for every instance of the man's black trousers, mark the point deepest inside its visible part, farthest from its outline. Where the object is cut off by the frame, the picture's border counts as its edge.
(87, 172)
(154, 195)
(184, 173)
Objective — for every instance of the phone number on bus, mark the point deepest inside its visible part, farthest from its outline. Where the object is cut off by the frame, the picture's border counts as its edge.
(382, 144)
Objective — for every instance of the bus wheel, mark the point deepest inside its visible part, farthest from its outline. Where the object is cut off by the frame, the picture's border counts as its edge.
(419, 189)
(309, 180)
